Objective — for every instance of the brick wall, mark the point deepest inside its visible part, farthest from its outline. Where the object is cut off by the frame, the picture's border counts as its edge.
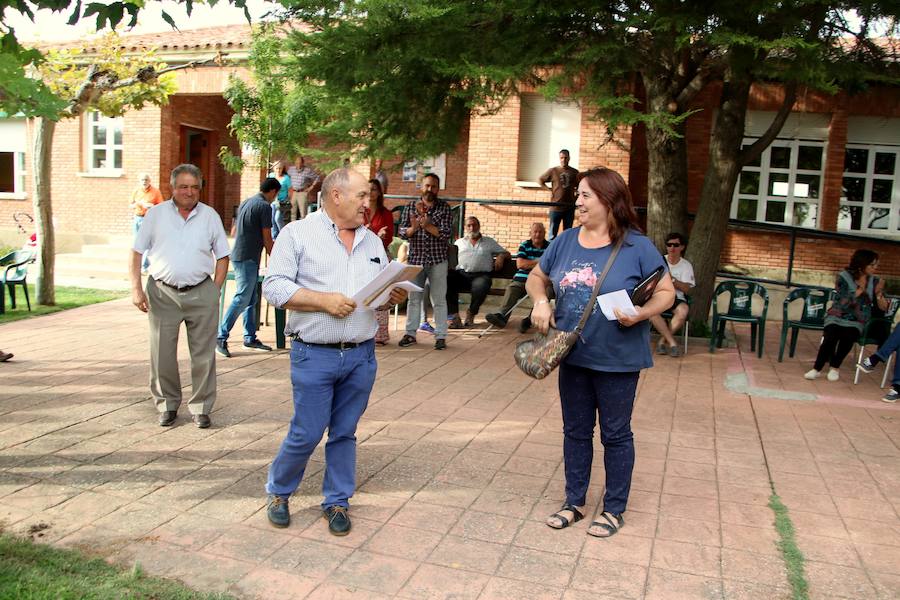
(202, 113)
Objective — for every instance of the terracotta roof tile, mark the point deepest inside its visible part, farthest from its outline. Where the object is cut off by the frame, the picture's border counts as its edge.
(223, 37)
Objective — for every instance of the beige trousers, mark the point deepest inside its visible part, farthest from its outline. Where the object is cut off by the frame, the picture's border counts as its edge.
(198, 309)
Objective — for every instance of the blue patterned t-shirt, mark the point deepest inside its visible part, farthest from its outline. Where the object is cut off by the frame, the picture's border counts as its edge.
(574, 269)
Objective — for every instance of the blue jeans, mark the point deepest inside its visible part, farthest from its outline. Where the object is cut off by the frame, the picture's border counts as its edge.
(437, 280)
(889, 347)
(246, 274)
(583, 393)
(277, 219)
(331, 390)
(565, 218)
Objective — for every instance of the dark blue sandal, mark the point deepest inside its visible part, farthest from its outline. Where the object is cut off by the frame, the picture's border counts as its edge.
(604, 530)
(564, 522)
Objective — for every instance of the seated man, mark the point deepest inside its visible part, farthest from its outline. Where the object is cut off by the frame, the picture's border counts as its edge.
(478, 256)
(682, 273)
(530, 252)
(868, 364)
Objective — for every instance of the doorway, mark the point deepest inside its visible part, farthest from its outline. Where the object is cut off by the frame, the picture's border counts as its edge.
(195, 149)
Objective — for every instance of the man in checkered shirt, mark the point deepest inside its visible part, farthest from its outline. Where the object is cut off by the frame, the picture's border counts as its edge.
(427, 224)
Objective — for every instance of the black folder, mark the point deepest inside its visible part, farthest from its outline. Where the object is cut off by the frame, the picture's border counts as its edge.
(644, 290)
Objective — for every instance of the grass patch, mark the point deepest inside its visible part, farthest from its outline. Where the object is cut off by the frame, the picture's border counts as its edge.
(66, 298)
(37, 572)
(790, 552)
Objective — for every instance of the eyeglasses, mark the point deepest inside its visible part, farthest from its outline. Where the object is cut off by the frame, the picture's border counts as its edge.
(673, 245)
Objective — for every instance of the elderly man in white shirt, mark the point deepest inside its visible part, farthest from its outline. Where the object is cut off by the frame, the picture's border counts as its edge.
(477, 257)
(185, 242)
(318, 263)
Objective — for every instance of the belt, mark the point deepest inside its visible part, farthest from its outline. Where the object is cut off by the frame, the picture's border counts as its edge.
(180, 289)
(335, 345)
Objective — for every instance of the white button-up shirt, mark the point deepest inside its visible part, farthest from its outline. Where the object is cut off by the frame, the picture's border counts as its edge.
(181, 251)
(477, 258)
(308, 254)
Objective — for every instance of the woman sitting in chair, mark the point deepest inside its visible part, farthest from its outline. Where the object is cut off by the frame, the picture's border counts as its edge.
(858, 290)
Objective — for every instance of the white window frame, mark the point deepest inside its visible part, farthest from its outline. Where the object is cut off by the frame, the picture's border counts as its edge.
(92, 120)
(13, 140)
(870, 177)
(790, 198)
(545, 128)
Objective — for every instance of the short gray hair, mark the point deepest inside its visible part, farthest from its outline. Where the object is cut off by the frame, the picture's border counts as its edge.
(143, 176)
(188, 169)
(339, 178)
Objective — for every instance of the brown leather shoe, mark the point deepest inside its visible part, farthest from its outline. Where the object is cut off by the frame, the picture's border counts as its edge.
(455, 323)
(470, 319)
(5, 356)
(201, 421)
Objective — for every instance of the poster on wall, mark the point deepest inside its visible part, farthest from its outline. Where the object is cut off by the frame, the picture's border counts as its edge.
(415, 170)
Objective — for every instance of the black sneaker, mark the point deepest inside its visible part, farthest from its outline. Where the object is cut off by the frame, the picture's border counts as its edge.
(257, 345)
(338, 520)
(866, 365)
(277, 511)
(525, 325)
(440, 344)
(222, 348)
(406, 340)
(496, 319)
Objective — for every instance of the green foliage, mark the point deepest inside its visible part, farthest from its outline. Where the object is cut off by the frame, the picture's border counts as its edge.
(38, 571)
(272, 116)
(402, 78)
(20, 93)
(131, 81)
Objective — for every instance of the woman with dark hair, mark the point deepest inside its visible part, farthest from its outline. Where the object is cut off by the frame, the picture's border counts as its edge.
(858, 292)
(381, 221)
(600, 374)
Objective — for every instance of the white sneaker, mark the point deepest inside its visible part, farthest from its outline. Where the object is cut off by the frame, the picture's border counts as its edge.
(833, 375)
(811, 374)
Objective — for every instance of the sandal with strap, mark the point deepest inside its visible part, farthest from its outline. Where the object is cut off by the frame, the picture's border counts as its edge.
(564, 522)
(613, 524)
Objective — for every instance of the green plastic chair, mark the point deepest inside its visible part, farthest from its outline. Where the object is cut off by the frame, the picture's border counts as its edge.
(812, 316)
(15, 272)
(740, 309)
(875, 332)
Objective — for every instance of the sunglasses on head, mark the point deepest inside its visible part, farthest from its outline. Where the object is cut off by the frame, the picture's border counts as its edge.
(673, 244)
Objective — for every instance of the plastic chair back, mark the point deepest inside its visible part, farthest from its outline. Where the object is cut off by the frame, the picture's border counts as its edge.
(815, 305)
(740, 302)
(17, 268)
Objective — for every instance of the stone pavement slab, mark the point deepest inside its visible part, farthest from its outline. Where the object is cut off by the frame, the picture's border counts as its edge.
(460, 461)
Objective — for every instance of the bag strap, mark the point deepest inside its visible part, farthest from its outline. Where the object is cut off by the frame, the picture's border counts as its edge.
(590, 305)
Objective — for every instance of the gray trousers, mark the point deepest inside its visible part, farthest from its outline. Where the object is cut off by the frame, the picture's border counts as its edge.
(437, 281)
(198, 309)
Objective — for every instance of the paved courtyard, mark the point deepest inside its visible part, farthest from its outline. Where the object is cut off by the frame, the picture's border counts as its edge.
(460, 461)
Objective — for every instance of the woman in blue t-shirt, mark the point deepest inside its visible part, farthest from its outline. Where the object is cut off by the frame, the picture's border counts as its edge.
(281, 205)
(600, 374)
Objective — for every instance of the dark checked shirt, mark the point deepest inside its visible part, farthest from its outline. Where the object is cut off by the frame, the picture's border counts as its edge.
(424, 248)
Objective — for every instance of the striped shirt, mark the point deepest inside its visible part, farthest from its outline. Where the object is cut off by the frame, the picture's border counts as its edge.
(529, 251)
(424, 248)
(308, 254)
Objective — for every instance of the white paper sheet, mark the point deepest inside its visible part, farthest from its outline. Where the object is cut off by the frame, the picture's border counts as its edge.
(376, 292)
(620, 299)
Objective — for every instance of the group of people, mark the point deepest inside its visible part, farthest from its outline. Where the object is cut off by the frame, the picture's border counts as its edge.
(323, 259)
(858, 299)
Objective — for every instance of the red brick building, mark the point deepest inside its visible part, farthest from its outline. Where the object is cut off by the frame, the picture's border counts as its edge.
(835, 166)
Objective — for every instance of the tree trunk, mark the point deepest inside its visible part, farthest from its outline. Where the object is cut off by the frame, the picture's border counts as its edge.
(722, 172)
(667, 170)
(43, 210)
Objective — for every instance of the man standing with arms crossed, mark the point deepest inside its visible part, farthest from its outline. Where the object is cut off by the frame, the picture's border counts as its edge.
(143, 199)
(320, 262)
(304, 183)
(185, 242)
(563, 189)
(254, 232)
(426, 224)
